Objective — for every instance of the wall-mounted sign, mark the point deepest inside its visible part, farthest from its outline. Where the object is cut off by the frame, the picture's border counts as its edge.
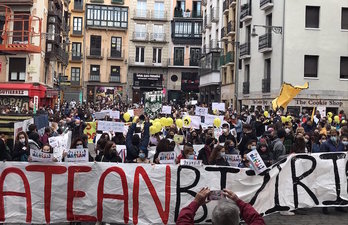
(14, 92)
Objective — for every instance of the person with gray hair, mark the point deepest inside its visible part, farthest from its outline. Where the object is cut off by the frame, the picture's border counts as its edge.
(225, 213)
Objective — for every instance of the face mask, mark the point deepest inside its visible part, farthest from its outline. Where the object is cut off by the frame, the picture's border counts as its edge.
(263, 149)
(224, 130)
(345, 143)
(287, 130)
(222, 154)
(306, 140)
(333, 139)
(22, 140)
(142, 155)
(253, 147)
(192, 157)
(322, 141)
(79, 146)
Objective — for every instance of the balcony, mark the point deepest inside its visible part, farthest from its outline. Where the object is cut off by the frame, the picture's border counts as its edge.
(75, 83)
(215, 15)
(196, 14)
(116, 55)
(229, 58)
(226, 6)
(233, 3)
(213, 46)
(97, 1)
(55, 11)
(141, 14)
(95, 53)
(207, 21)
(266, 85)
(245, 50)
(159, 15)
(224, 33)
(94, 77)
(266, 4)
(57, 53)
(246, 86)
(191, 36)
(222, 60)
(140, 36)
(209, 63)
(265, 42)
(77, 32)
(158, 37)
(148, 62)
(115, 79)
(183, 63)
(245, 13)
(231, 28)
(75, 57)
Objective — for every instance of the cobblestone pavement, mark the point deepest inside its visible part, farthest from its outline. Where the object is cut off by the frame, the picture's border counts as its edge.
(309, 217)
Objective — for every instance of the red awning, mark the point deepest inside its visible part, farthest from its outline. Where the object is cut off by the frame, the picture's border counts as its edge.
(32, 88)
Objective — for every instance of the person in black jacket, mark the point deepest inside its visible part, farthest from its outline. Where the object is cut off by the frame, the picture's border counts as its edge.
(21, 148)
(134, 143)
(247, 136)
(226, 135)
(110, 153)
(217, 157)
(204, 153)
(5, 154)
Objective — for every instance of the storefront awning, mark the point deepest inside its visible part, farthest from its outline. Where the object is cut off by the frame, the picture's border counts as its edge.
(23, 89)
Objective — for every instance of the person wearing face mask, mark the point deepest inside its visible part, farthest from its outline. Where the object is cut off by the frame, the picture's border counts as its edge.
(299, 145)
(21, 148)
(226, 134)
(289, 137)
(205, 152)
(317, 143)
(194, 138)
(217, 157)
(110, 153)
(142, 158)
(279, 150)
(187, 153)
(266, 154)
(78, 144)
(308, 141)
(230, 148)
(344, 140)
(247, 136)
(251, 145)
(164, 145)
(333, 144)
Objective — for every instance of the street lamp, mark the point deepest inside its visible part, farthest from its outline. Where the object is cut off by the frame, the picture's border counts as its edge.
(275, 29)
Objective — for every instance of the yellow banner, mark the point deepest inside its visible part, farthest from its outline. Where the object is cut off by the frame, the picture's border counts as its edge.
(287, 93)
(91, 131)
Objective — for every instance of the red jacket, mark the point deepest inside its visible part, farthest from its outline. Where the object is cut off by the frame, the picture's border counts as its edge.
(248, 213)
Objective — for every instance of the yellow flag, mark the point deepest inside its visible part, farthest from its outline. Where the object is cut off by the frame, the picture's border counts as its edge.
(287, 93)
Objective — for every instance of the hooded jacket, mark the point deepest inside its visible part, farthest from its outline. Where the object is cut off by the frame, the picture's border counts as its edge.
(133, 150)
(329, 146)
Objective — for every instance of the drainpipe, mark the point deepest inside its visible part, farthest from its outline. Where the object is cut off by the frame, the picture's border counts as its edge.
(237, 42)
(283, 37)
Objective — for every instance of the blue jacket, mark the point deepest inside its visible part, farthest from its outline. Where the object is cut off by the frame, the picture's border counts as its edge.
(132, 150)
(329, 146)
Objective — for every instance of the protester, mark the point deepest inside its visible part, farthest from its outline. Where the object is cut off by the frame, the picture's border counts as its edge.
(226, 134)
(333, 144)
(5, 153)
(164, 145)
(226, 212)
(230, 148)
(217, 157)
(205, 152)
(266, 154)
(21, 148)
(134, 143)
(187, 153)
(45, 136)
(110, 153)
(278, 147)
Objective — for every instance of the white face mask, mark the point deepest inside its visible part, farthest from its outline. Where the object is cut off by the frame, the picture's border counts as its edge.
(287, 130)
(22, 140)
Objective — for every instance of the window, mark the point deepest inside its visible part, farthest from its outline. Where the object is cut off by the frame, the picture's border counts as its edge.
(158, 32)
(116, 47)
(197, 9)
(107, 16)
(115, 74)
(140, 32)
(157, 56)
(17, 69)
(267, 74)
(95, 69)
(195, 54)
(76, 50)
(312, 16)
(197, 30)
(159, 10)
(183, 29)
(77, 25)
(75, 74)
(179, 56)
(78, 4)
(139, 54)
(344, 19)
(344, 67)
(20, 24)
(141, 8)
(181, 5)
(311, 65)
(95, 45)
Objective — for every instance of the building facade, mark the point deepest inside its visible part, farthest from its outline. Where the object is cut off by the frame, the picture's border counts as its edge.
(29, 29)
(149, 31)
(185, 51)
(309, 43)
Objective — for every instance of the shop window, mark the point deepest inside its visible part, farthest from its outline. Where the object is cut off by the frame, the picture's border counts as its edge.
(17, 69)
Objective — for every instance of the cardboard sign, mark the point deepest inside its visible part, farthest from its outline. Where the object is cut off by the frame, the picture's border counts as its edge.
(256, 161)
(209, 119)
(39, 156)
(115, 115)
(178, 139)
(111, 126)
(218, 106)
(77, 155)
(201, 111)
(131, 112)
(167, 157)
(322, 110)
(100, 115)
(195, 122)
(191, 162)
(166, 110)
(90, 131)
(233, 159)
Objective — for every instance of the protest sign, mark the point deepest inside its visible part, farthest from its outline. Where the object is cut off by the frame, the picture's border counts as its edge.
(178, 139)
(100, 115)
(167, 157)
(41, 123)
(322, 111)
(218, 106)
(233, 159)
(153, 103)
(155, 194)
(90, 131)
(115, 115)
(39, 156)
(111, 126)
(195, 122)
(201, 111)
(77, 155)
(166, 110)
(256, 161)
(209, 119)
(191, 162)
(22, 126)
(131, 112)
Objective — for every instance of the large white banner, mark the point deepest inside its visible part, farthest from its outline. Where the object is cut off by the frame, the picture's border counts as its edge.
(154, 194)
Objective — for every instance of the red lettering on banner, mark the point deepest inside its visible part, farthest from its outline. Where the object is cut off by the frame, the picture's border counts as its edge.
(164, 214)
(102, 195)
(76, 194)
(25, 195)
(48, 172)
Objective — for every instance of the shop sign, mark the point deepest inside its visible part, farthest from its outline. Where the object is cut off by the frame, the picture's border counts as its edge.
(14, 92)
(142, 76)
(261, 102)
(20, 102)
(319, 102)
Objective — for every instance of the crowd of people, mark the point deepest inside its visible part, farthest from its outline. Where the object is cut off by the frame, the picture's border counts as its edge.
(274, 134)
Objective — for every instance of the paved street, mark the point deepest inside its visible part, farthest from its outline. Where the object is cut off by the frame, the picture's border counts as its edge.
(312, 217)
